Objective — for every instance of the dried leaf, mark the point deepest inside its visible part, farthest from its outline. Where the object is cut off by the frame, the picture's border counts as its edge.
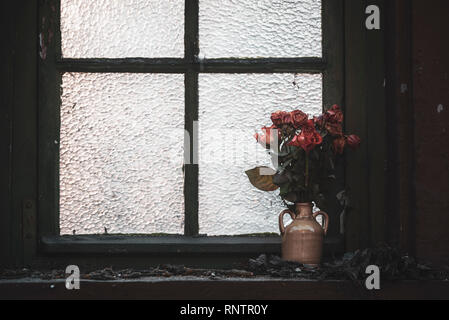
(262, 182)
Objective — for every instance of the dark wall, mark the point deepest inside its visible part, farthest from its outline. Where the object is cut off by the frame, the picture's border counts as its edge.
(6, 75)
(417, 51)
(18, 124)
(430, 58)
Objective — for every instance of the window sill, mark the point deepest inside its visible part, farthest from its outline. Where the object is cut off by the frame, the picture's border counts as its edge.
(123, 251)
(126, 244)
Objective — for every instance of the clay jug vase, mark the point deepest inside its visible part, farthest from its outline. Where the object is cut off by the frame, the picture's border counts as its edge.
(302, 240)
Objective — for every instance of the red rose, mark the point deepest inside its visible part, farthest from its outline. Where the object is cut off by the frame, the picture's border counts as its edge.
(339, 145)
(278, 117)
(299, 118)
(308, 138)
(334, 115)
(268, 135)
(287, 118)
(334, 129)
(353, 141)
(309, 125)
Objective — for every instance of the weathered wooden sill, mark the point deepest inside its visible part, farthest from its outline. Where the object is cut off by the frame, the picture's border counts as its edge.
(141, 251)
(126, 244)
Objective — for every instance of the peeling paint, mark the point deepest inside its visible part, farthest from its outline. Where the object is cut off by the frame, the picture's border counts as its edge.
(46, 35)
(403, 87)
(43, 47)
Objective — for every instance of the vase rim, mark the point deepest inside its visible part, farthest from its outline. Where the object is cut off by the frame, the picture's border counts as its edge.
(303, 210)
(307, 204)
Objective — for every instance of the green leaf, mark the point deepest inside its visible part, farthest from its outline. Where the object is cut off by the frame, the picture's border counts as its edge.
(262, 182)
(320, 201)
(284, 189)
(280, 179)
(291, 197)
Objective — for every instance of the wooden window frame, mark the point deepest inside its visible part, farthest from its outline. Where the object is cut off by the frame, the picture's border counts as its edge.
(50, 69)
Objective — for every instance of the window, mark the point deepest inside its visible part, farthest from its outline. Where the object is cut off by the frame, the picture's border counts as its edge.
(134, 75)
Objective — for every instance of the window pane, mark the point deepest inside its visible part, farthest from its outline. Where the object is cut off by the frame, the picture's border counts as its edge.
(263, 28)
(122, 28)
(232, 107)
(121, 153)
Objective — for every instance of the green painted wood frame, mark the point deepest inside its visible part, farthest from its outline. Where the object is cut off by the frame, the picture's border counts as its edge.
(332, 65)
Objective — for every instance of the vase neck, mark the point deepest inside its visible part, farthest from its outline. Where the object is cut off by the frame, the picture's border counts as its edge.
(303, 210)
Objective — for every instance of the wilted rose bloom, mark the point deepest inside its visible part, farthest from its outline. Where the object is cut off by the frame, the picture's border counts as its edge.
(353, 141)
(278, 117)
(268, 135)
(299, 118)
(308, 138)
(339, 145)
(334, 115)
(334, 129)
(287, 118)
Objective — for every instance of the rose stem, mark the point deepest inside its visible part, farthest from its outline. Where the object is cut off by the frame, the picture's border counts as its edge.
(307, 170)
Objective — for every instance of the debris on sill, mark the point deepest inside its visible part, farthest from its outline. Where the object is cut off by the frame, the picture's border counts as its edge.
(110, 274)
(352, 266)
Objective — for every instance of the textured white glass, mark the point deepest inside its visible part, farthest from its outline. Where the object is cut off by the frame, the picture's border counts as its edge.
(121, 153)
(122, 28)
(260, 28)
(231, 108)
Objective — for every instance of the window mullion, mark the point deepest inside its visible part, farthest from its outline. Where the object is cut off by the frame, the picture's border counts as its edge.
(191, 49)
(333, 93)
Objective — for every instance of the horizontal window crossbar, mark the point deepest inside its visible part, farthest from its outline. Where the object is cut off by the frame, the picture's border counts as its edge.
(263, 65)
(173, 65)
(127, 244)
(134, 65)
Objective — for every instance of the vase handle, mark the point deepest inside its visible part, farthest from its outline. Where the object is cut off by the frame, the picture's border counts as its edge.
(325, 217)
(281, 219)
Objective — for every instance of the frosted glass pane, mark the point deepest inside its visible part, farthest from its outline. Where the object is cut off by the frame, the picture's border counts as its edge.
(263, 28)
(122, 28)
(121, 153)
(232, 107)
